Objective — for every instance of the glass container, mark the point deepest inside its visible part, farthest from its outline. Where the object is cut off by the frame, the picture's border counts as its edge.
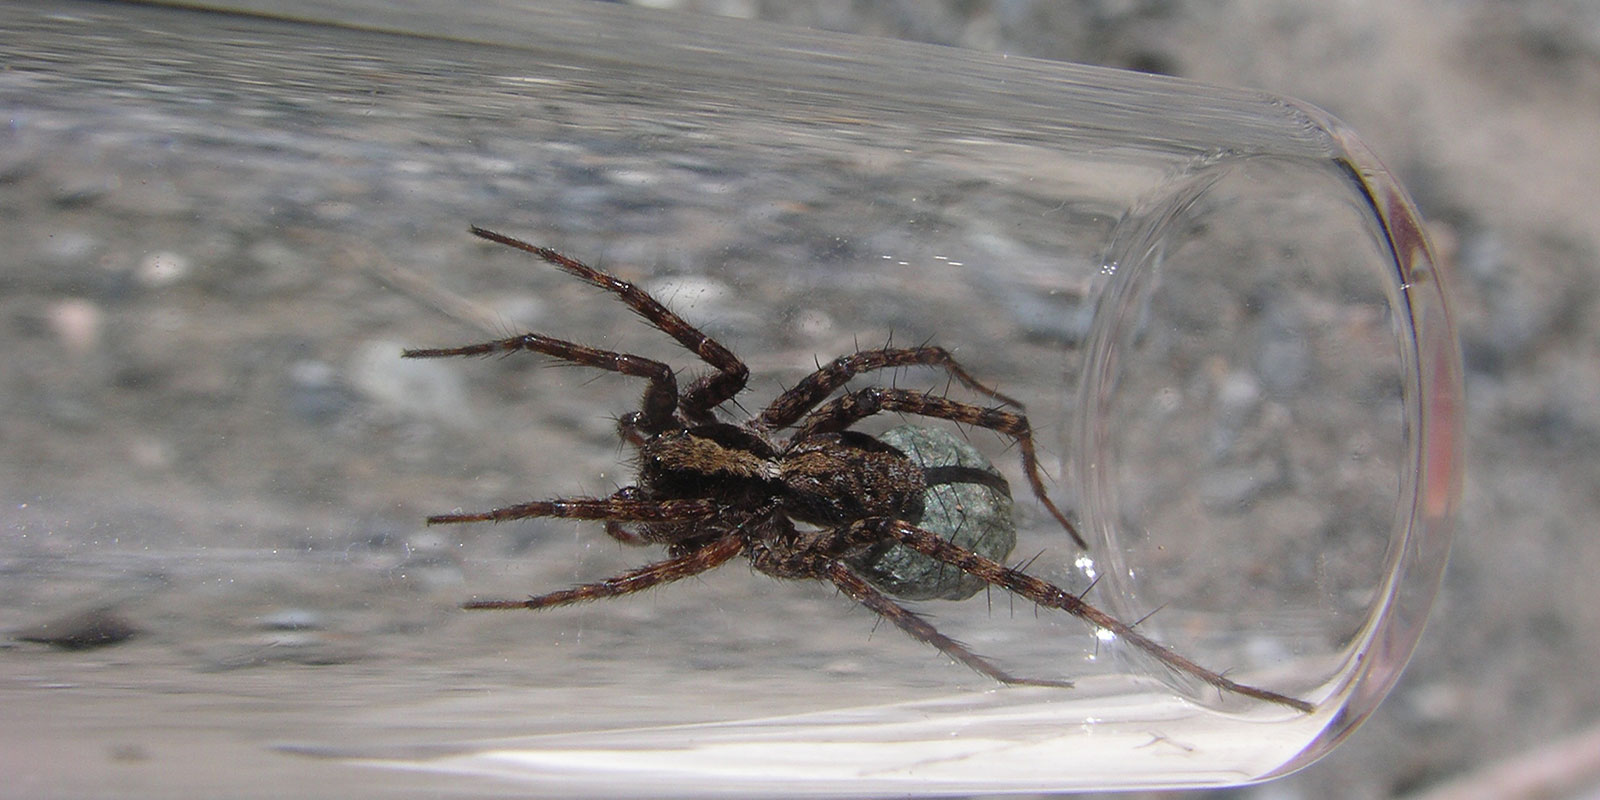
(222, 228)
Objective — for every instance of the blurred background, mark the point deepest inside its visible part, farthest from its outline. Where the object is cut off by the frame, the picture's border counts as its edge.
(1487, 110)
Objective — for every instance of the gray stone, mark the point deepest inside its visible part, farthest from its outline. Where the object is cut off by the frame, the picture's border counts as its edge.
(972, 515)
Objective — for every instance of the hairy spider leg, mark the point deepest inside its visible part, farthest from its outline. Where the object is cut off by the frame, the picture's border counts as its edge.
(660, 398)
(848, 409)
(918, 628)
(616, 508)
(814, 388)
(1048, 595)
(616, 530)
(707, 557)
(704, 394)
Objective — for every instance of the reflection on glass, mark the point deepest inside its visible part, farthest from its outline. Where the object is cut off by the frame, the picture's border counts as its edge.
(1216, 306)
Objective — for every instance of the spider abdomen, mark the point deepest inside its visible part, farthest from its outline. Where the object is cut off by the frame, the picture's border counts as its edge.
(835, 478)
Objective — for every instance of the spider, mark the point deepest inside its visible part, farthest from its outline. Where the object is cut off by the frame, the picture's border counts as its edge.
(816, 504)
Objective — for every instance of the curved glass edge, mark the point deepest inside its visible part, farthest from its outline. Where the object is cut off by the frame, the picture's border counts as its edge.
(734, 55)
(1435, 411)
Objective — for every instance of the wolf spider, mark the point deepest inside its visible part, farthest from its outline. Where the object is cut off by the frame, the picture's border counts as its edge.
(709, 490)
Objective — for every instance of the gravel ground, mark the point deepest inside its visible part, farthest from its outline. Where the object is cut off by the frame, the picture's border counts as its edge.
(212, 456)
(1488, 112)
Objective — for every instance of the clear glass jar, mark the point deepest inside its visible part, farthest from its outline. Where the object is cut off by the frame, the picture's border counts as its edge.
(1218, 308)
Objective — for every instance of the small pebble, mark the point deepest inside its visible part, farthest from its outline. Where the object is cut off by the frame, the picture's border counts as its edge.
(291, 619)
(160, 269)
(428, 388)
(76, 324)
(84, 190)
(812, 324)
(68, 248)
(84, 630)
(316, 395)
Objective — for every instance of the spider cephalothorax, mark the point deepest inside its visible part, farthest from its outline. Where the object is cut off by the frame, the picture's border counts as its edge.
(823, 502)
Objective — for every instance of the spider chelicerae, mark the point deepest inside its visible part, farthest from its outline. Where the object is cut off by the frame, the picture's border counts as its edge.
(815, 504)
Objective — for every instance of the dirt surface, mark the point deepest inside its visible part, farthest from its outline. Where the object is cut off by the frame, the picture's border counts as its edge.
(214, 466)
